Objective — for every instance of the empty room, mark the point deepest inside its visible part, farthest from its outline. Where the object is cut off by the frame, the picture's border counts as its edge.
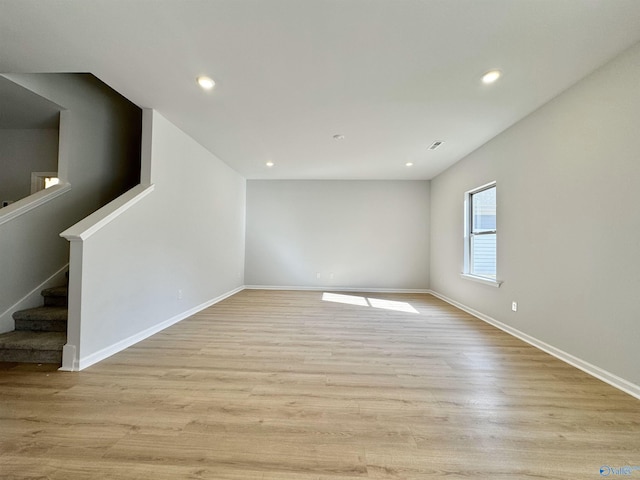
(319, 239)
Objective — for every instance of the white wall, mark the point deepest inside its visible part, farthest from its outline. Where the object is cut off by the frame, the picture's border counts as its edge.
(23, 152)
(188, 235)
(369, 234)
(568, 221)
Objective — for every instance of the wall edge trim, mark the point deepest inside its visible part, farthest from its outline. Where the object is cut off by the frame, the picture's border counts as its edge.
(33, 298)
(24, 205)
(106, 214)
(106, 352)
(593, 370)
(337, 289)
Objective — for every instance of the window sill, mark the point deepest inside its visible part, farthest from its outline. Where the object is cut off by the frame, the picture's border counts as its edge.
(484, 280)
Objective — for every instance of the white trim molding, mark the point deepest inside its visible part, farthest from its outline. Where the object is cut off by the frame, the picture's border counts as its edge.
(27, 204)
(483, 280)
(69, 359)
(98, 219)
(31, 299)
(329, 288)
(593, 370)
(106, 352)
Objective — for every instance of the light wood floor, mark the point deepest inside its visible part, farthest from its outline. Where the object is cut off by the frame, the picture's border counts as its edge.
(286, 386)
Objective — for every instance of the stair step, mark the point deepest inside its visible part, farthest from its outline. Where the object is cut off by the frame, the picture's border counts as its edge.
(56, 296)
(42, 319)
(32, 347)
(42, 313)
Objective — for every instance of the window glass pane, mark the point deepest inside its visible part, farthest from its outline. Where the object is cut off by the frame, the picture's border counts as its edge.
(483, 214)
(483, 255)
(51, 181)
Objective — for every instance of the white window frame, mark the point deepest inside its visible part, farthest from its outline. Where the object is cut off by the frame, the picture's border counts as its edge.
(466, 273)
(38, 180)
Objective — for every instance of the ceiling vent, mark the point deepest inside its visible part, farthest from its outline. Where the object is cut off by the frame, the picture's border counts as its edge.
(435, 145)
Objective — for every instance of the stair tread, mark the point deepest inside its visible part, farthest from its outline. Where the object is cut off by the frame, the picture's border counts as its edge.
(24, 340)
(61, 291)
(42, 313)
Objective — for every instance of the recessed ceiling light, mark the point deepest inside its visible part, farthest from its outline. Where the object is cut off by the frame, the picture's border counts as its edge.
(338, 137)
(409, 164)
(269, 164)
(205, 82)
(491, 76)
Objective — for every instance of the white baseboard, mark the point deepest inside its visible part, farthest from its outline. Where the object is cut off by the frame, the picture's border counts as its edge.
(106, 352)
(337, 289)
(69, 358)
(31, 300)
(601, 374)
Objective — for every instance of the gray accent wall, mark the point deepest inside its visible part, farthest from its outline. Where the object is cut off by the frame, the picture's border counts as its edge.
(103, 134)
(358, 234)
(568, 221)
(23, 151)
(99, 155)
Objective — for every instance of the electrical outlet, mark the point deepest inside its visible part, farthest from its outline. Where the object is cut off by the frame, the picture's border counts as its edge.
(514, 306)
(180, 294)
(318, 275)
(331, 275)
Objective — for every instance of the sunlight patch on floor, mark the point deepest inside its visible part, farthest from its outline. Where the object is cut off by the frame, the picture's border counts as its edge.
(369, 302)
(392, 305)
(349, 299)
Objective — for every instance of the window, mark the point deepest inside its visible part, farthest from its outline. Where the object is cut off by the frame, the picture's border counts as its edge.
(480, 250)
(51, 181)
(43, 180)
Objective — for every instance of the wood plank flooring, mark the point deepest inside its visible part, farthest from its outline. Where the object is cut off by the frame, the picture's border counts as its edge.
(288, 386)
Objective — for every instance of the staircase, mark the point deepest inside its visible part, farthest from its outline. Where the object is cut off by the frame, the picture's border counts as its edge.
(40, 332)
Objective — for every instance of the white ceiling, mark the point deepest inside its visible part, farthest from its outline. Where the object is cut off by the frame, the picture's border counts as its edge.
(392, 76)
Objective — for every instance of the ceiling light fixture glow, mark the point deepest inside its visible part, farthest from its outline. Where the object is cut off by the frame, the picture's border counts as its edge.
(205, 82)
(269, 164)
(409, 164)
(491, 76)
